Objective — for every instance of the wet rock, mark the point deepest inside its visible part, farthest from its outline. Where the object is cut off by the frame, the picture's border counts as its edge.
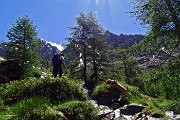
(105, 112)
(62, 116)
(176, 117)
(117, 113)
(170, 114)
(43, 75)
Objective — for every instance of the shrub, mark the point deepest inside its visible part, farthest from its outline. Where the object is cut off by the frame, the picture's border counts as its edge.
(36, 72)
(161, 82)
(175, 107)
(2, 106)
(59, 89)
(78, 110)
(154, 112)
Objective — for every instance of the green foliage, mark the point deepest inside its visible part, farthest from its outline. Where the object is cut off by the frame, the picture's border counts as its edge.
(31, 109)
(153, 112)
(45, 63)
(162, 19)
(124, 67)
(114, 71)
(160, 15)
(23, 45)
(67, 72)
(175, 107)
(57, 90)
(36, 72)
(155, 105)
(2, 106)
(78, 110)
(39, 108)
(136, 95)
(162, 82)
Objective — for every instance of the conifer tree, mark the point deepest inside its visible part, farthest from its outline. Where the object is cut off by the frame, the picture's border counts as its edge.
(23, 45)
(88, 42)
(162, 17)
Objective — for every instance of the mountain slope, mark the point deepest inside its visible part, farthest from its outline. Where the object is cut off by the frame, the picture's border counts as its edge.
(127, 40)
(46, 50)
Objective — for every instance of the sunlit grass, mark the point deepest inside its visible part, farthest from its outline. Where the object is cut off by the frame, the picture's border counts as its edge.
(24, 109)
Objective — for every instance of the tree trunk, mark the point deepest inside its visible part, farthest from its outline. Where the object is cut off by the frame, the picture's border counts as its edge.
(94, 62)
(126, 70)
(85, 67)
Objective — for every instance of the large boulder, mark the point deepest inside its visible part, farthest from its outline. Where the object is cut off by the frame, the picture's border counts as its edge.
(108, 95)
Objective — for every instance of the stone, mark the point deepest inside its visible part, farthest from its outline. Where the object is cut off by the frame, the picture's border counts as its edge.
(105, 112)
(177, 117)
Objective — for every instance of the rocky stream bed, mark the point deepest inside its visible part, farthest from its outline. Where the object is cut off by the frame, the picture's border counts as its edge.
(118, 109)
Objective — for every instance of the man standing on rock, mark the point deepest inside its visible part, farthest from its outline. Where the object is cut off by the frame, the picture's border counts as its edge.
(62, 63)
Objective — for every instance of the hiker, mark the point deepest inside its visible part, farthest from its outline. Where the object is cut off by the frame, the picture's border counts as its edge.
(58, 64)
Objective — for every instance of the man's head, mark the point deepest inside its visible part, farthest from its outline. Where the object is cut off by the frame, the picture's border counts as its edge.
(56, 55)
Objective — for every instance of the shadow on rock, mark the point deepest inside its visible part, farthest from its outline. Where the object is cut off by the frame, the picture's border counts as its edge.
(131, 109)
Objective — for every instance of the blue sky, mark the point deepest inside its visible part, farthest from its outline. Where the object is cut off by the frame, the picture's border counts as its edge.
(52, 17)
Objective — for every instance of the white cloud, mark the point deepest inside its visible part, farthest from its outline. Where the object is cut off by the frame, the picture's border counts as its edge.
(59, 46)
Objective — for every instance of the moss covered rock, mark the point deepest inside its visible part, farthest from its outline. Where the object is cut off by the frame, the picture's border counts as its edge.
(106, 94)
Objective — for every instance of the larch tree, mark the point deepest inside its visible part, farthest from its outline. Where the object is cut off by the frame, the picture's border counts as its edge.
(97, 49)
(162, 17)
(23, 45)
(128, 63)
(88, 41)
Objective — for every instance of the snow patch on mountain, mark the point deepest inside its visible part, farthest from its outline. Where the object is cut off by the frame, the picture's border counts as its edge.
(59, 46)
